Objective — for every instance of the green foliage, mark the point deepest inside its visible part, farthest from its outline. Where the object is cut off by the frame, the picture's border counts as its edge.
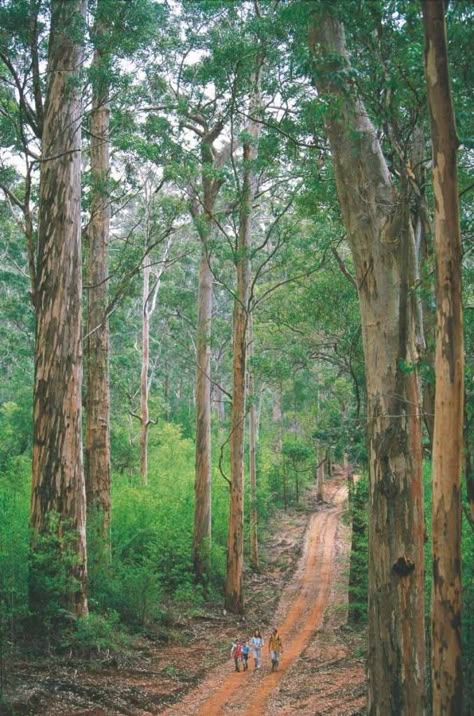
(167, 64)
(15, 429)
(297, 452)
(51, 577)
(468, 611)
(152, 536)
(97, 633)
(358, 576)
(14, 545)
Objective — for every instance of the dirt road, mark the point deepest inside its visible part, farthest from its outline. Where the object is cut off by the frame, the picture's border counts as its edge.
(299, 615)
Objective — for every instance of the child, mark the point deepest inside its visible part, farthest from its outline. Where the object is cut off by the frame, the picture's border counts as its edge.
(245, 655)
(236, 652)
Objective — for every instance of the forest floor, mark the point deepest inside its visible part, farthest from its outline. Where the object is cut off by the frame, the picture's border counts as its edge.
(302, 589)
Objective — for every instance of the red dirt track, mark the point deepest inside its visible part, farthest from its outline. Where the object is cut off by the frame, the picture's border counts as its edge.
(300, 614)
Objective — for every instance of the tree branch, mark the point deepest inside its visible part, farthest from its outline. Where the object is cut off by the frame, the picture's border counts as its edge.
(343, 267)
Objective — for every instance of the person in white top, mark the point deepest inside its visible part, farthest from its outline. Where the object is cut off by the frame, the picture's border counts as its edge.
(257, 644)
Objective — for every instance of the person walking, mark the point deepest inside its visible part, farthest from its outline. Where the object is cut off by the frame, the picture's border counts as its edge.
(236, 653)
(275, 648)
(257, 644)
(245, 655)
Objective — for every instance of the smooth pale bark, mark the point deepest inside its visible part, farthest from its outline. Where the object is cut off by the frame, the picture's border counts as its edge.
(449, 370)
(468, 462)
(57, 471)
(144, 410)
(97, 444)
(253, 428)
(346, 467)
(429, 385)
(218, 396)
(468, 471)
(149, 303)
(204, 220)
(202, 483)
(426, 316)
(382, 243)
(285, 483)
(234, 595)
(277, 417)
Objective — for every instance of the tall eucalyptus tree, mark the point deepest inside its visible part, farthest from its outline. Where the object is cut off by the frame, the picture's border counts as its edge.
(379, 231)
(97, 404)
(120, 29)
(189, 91)
(449, 368)
(234, 598)
(58, 476)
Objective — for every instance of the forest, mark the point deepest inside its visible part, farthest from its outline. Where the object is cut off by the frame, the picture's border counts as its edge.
(236, 355)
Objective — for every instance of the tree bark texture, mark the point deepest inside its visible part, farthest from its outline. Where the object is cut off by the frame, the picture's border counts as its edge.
(144, 409)
(424, 253)
(320, 479)
(381, 238)
(203, 478)
(202, 484)
(97, 446)
(252, 455)
(468, 463)
(57, 472)
(449, 370)
(234, 596)
(277, 418)
(149, 303)
(218, 396)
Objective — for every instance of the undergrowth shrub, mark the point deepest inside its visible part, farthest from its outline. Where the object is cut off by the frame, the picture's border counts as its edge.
(358, 574)
(147, 574)
(51, 578)
(97, 633)
(14, 545)
(468, 612)
(152, 532)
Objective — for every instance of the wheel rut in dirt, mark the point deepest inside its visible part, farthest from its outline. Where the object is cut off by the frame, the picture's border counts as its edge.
(299, 615)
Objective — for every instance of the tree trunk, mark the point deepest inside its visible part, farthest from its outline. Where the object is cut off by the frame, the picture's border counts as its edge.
(217, 394)
(379, 231)
(426, 317)
(468, 465)
(345, 466)
(329, 462)
(202, 484)
(234, 597)
(252, 456)
(57, 469)
(449, 370)
(149, 302)
(320, 481)
(277, 418)
(97, 447)
(144, 410)
(202, 481)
